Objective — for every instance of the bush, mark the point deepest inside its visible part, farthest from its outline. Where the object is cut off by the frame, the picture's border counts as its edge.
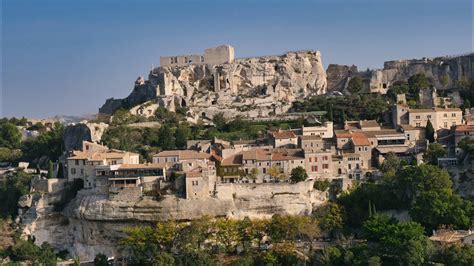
(322, 185)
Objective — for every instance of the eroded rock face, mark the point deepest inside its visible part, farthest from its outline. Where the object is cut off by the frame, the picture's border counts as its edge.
(337, 76)
(75, 134)
(92, 223)
(443, 72)
(251, 86)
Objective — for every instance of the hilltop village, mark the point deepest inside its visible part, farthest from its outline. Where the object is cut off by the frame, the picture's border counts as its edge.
(273, 158)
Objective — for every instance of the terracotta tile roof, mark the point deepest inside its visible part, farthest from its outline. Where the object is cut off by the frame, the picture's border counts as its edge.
(342, 134)
(235, 159)
(196, 172)
(184, 154)
(286, 134)
(99, 155)
(369, 123)
(360, 139)
(464, 128)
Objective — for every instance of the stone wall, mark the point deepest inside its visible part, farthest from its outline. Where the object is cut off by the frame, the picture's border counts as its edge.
(48, 185)
(219, 55)
(125, 194)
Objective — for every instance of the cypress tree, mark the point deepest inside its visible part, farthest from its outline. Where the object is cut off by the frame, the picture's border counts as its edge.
(430, 131)
(50, 170)
(331, 118)
(60, 171)
(370, 209)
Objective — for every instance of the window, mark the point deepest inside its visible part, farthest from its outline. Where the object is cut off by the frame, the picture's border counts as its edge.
(325, 158)
(360, 149)
(350, 167)
(453, 115)
(82, 171)
(73, 171)
(366, 149)
(417, 117)
(314, 168)
(418, 125)
(77, 162)
(315, 159)
(310, 159)
(325, 166)
(264, 170)
(445, 115)
(445, 124)
(428, 116)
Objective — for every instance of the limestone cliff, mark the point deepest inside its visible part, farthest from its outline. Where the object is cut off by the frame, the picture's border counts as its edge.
(444, 72)
(251, 86)
(92, 223)
(75, 134)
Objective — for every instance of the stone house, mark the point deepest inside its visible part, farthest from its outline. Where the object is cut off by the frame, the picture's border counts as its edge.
(82, 164)
(180, 156)
(318, 163)
(441, 118)
(283, 139)
(326, 130)
(196, 182)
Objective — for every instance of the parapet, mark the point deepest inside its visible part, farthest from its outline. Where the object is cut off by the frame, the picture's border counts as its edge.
(213, 56)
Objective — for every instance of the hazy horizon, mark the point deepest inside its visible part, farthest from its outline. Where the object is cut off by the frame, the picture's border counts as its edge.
(68, 57)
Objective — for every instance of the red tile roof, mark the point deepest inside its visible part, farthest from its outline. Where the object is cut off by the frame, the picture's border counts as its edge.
(283, 134)
(464, 128)
(360, 139)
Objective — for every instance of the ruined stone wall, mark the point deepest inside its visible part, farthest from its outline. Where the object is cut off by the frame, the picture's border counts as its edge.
(48, 185)
(219, 55)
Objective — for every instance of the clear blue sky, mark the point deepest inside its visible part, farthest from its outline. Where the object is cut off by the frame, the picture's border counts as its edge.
(68, 57)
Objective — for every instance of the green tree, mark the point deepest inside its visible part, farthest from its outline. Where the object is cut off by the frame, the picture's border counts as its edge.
(466, 104)
(434, 151)
(101, 260)
(462, 255)
(60, 171)
(219, 121)
(10, 136)
(330, 217)
(165, 138)
(183, 133)
(435, 208)
(50, 170)
(418, 82)
(322, 185)
(430, 132)
(356, 84)
(8, 155)
(391, 164)
(399, 242)
(298, 174)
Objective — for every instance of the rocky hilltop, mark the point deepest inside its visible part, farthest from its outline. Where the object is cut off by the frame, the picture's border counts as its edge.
(445, 72)
(265, 86)
(252, 86)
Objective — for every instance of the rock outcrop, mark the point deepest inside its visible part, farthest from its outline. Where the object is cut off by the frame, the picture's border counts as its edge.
(91, 223)
(75, 134)
(444, 72)
(253, 86)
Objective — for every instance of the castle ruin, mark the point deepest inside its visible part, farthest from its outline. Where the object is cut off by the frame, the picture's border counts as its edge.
(212, 56)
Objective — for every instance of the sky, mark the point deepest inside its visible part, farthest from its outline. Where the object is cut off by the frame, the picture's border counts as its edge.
(66, 57)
